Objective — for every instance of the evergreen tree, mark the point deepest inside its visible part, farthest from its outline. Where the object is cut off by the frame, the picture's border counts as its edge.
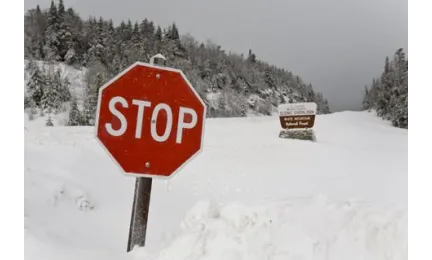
(94, 82)
(399, 100)
(36, 86)
(63, 33)
(75, 40)
(34, 33)
(269, 79)
(136, 37)
(322, 103)
(386, 88)
(51, 48)
(173, 33)
(74, 114)
(51, 99)
(158, 34)
(251, 56)
(366, 99)
(49, 121)
(310, 94)
(98, 37)
(62, 86)
(147, 29)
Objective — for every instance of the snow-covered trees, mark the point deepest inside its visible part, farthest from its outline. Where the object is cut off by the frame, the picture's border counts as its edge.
(67, 38)
(388, 95)
(55, 92)
(34, 32)
(47, 90)
(322, 104)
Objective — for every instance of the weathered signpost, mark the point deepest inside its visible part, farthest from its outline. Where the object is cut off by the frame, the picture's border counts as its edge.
(297, 120)
(150, 120)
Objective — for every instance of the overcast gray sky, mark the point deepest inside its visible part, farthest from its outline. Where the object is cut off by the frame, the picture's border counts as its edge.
(337, 45)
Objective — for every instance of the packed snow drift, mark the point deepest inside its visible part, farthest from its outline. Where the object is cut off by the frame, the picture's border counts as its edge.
(249, 195)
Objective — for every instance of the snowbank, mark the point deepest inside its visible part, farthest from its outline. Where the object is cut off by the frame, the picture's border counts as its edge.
(308, 228)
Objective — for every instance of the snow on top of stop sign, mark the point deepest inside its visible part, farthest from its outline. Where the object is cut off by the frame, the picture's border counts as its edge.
(158, 56)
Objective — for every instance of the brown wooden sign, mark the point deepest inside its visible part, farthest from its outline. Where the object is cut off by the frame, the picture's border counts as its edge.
(288, 122)
(297, 115)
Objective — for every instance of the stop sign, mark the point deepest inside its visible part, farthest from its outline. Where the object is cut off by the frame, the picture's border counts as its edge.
(151, 120)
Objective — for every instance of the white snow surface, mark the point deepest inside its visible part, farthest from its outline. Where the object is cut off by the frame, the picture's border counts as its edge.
(249, 195)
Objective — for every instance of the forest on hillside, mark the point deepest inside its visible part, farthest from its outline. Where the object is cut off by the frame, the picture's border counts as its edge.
(388, 94)
(231, 84)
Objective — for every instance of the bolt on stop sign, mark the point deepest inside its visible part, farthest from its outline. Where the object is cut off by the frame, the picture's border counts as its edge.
(151, 120)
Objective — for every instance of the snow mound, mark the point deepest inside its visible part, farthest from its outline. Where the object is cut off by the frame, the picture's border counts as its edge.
(308, 228)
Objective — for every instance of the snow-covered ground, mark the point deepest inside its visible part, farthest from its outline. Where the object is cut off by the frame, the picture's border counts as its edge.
(249, 195)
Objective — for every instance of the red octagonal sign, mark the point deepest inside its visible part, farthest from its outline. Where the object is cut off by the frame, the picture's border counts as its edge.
(151, 120)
